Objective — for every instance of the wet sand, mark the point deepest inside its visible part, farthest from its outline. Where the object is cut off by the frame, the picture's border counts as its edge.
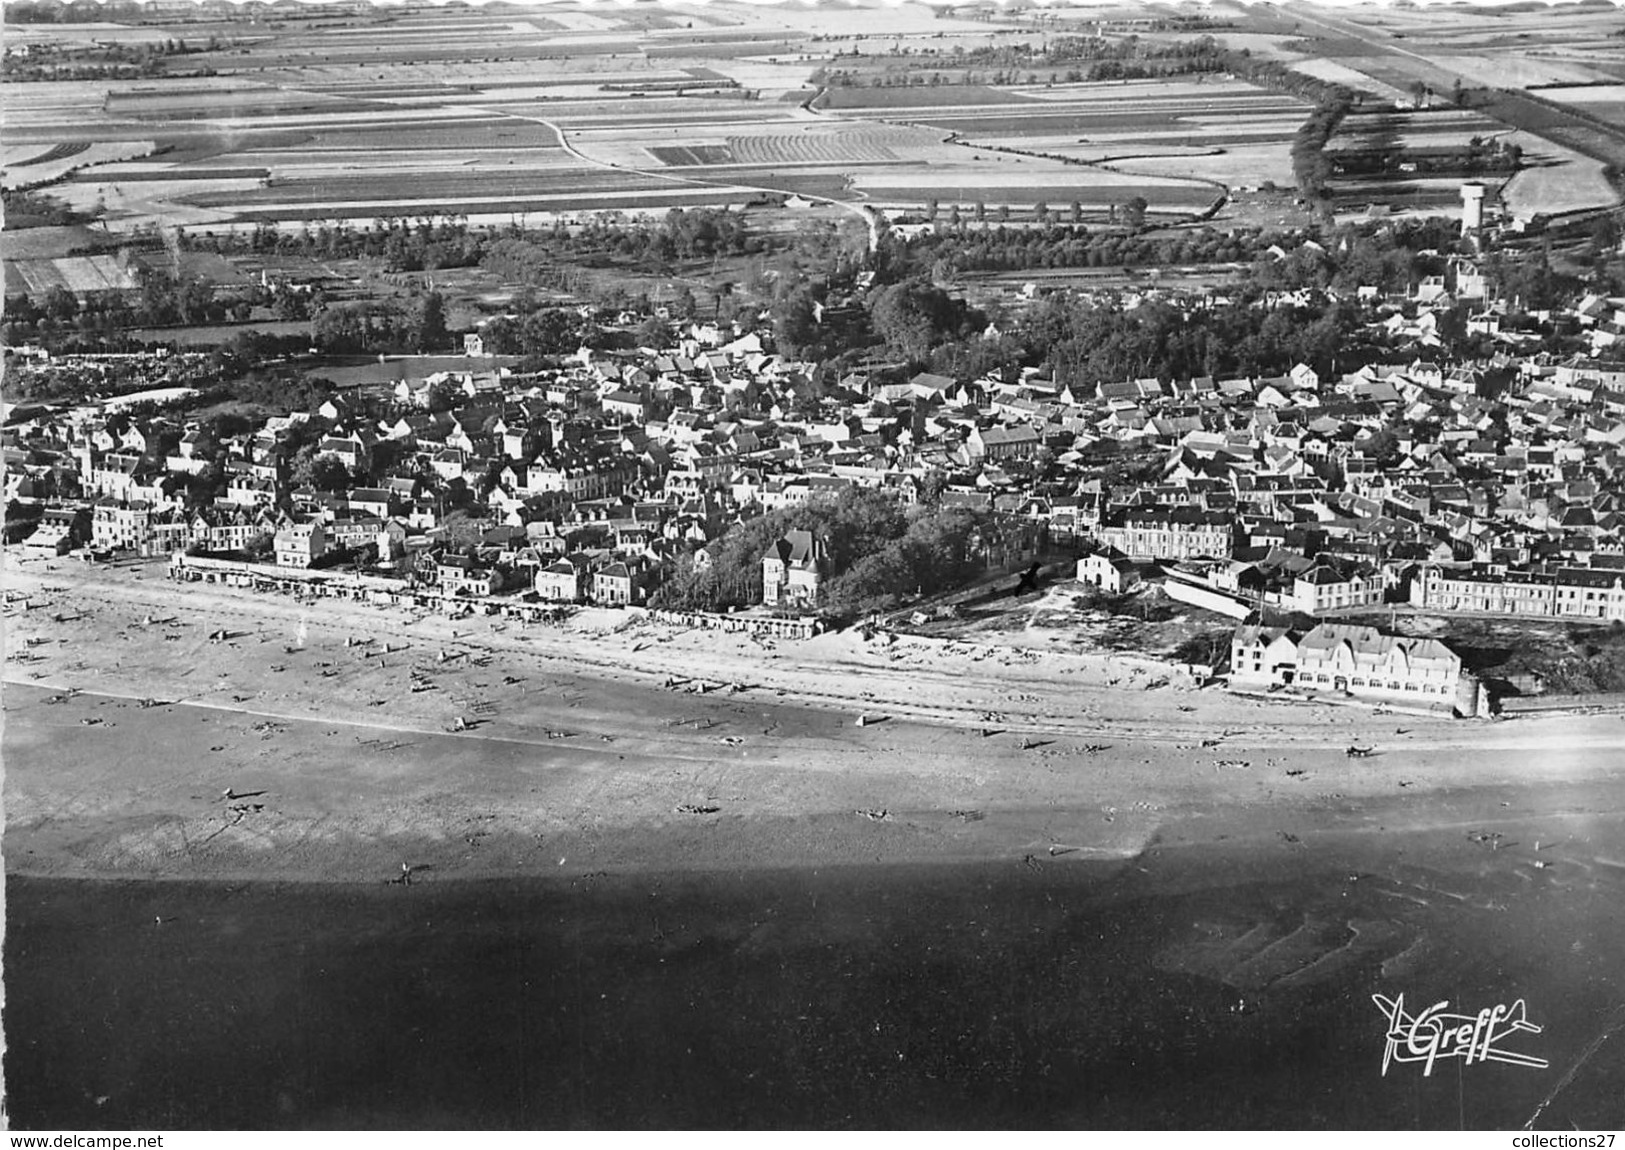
(1214, 986)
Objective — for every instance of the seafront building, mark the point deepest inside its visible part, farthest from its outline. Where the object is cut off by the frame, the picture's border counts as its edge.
(1359, 663)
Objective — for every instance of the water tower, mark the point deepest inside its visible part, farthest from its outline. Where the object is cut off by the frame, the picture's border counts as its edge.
(1472, 208)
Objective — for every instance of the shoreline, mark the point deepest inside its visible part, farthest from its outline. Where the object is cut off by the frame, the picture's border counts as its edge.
(970, 752)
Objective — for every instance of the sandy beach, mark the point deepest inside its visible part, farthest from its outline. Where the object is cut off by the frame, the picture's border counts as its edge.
(321, 741)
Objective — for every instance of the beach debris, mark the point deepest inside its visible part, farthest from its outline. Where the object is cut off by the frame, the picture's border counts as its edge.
(405, 877)
(1031, 863)
(1210, 742)
(90, 722)
(967, 816)
(1406, 783)
(1289, 837)
(561, 734)
(730, 740)
(1295, 773)
(1491, 837)
(690, 809)
(1358, 752)
(1234, 764)
(1095, 748)
(875, 814)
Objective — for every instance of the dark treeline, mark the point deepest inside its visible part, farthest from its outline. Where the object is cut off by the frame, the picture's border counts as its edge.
(1388, 258)
(514, 252)
(1311, 167)
(1073, 59)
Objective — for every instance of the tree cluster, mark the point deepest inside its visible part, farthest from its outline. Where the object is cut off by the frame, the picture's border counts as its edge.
(370, 326)
(879, 553)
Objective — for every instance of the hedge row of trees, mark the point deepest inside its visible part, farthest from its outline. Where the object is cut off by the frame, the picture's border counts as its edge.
(515, 252)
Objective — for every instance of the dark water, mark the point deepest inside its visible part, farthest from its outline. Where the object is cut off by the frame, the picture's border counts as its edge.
(995, 995)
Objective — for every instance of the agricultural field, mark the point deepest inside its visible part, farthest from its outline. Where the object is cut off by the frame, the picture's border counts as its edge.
(81, 275)
(32, 165)
(543, 112)
(1179, 144)
(1605, 100)
(1557, 181)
